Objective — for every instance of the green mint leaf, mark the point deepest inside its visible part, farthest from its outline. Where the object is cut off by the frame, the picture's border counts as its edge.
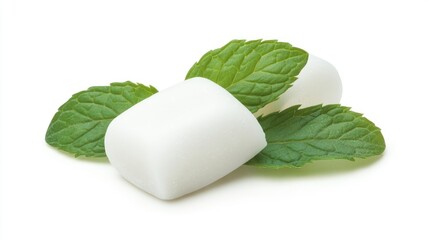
(80, 124)
(255, 72)
(298, 136)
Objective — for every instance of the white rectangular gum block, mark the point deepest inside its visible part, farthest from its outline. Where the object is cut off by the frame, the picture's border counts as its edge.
(317, 83)
(183, 138)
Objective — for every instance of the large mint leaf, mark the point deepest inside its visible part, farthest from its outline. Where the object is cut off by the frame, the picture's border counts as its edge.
(255, 72)
(298, 136)
(80, 124)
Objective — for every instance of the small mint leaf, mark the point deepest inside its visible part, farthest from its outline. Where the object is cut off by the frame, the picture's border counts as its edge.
(255, 72)
(298, 136)
(80, 124)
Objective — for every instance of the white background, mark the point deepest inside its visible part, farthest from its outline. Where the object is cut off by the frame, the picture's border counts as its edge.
(52, 49)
